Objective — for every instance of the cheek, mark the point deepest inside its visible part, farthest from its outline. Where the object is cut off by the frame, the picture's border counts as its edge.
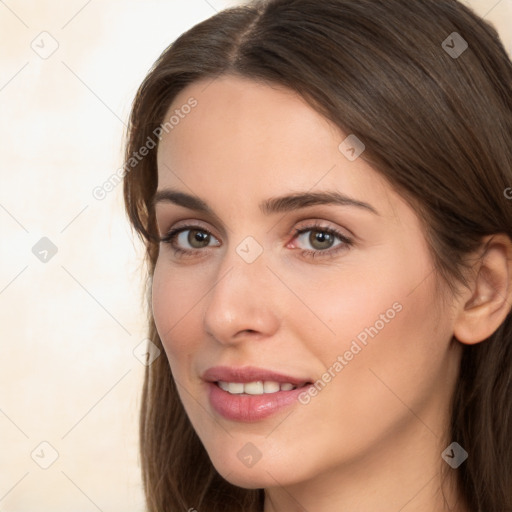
(393, 341)
(176, 303)
(356, 300)
(387, 320)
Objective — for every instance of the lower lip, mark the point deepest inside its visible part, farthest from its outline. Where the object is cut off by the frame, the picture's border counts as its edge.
(249, 408)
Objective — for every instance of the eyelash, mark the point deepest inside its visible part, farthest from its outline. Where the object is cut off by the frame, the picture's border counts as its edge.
(328, 253)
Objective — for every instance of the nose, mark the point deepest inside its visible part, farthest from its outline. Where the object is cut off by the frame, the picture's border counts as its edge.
(242, 301)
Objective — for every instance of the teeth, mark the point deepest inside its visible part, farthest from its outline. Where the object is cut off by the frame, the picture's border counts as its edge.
(233, 387)
(255, 388)
(271, 387)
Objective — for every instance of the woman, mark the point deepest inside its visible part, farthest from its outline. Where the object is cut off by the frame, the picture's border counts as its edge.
(320, 187)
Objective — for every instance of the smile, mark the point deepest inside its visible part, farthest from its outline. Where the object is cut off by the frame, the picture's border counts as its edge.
(256, 387)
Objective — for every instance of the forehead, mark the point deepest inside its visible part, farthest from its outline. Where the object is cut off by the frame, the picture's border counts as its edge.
(246, 118)
(244, 138)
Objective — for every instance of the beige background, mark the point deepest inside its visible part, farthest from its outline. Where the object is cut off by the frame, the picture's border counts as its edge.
(69, 377)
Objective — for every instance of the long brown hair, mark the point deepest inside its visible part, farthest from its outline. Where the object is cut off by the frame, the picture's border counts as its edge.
(436, 120)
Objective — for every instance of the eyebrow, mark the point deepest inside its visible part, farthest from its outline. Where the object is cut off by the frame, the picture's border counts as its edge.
(270, 206)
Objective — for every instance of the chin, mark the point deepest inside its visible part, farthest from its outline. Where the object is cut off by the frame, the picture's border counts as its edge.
(248, 478)
(238, 469)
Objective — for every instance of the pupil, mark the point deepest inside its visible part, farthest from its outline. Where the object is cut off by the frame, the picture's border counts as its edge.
(196, 238)
(322, 238)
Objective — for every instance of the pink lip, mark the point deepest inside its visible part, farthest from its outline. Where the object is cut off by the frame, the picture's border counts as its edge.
(249, 374)
(249, 408)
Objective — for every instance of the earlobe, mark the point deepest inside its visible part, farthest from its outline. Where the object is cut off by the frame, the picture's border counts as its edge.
(489, 298)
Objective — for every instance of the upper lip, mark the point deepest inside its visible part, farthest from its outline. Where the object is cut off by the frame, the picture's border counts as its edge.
(249, 374)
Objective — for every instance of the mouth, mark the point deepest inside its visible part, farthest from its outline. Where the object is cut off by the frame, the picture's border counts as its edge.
(258, 387)
(250, 394)
(252, 380)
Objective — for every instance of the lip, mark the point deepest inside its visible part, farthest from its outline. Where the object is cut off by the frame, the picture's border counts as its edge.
(249, 374)
(250, 408)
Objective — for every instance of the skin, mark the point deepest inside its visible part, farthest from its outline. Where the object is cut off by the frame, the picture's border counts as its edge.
(372, 438)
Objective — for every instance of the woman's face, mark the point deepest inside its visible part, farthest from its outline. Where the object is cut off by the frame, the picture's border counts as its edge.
(348, 304)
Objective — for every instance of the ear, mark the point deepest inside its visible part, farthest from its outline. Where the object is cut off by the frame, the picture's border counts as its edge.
(488, 300)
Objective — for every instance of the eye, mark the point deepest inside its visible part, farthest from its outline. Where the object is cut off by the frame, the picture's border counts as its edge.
(187, 241)
(322, 239)
(195, 236)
